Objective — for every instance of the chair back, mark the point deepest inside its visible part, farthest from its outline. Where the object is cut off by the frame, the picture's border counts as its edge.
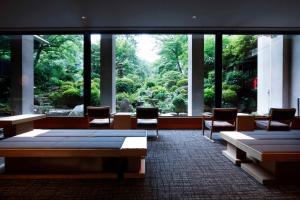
(146, 113)
(282, 114)
(225, 114)
(98, 112)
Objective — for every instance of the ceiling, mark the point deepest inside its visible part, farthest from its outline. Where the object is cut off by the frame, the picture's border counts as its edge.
(145, 15)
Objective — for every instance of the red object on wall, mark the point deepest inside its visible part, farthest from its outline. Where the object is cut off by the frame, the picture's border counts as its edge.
(254, 83)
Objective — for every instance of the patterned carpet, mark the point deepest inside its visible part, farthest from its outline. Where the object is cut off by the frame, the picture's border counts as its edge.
(179, 165)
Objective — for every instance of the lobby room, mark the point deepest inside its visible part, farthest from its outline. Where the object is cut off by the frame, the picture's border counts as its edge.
(152, 99)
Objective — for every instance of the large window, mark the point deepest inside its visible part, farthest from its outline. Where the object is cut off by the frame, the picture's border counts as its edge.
(95, 69)
(209, 72)
(151, 70)
(259, 72)
(58, 75)
(239, 87)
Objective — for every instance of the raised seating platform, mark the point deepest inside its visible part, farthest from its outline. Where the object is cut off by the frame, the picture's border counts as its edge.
(17, 124)
(75, 154)
(265, 155)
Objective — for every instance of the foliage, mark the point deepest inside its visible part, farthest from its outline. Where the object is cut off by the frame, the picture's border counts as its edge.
(229, 96)
(125, 85)
(58, 70)
(179, 104)
(182, 82)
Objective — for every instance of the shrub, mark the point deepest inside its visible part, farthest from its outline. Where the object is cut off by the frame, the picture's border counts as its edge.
(229, 97)
(159, 93)
(234, 78)
(209, 95)
(182, 82)
(171, 83)
(179, 104)
(150, 84)
(125, 85)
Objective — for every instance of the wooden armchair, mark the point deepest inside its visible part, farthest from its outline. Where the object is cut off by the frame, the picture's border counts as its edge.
(147, 118)
(279, 119)
(99, 117)
(223, 119)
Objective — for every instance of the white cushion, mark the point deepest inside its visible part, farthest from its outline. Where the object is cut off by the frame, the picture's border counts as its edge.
(100, 121)
(147, 121)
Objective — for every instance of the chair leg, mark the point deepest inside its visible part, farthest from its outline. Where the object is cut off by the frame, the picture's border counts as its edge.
(210, 137)
(156, 133)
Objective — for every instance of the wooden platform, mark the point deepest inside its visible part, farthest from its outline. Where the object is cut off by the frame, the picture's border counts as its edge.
(274, 155)
(75, 154)
(18, 124)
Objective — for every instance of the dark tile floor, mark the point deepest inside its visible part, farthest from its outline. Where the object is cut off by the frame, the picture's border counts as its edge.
(179, 165)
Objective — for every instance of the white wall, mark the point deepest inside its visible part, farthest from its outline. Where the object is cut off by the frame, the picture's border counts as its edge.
(273, 73)
(263, 73)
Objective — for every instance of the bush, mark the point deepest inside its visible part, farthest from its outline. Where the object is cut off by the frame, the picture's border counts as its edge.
(179, 104)
(150, 84)
(125, 85)
(121, 96)
(171, 83)
(66, 99)
(182, 82)
(159, 93)
(95, 91)
(234, 78)
(229, 97)
(209, 95)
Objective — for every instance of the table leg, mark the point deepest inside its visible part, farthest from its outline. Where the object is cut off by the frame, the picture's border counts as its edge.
(234, 154)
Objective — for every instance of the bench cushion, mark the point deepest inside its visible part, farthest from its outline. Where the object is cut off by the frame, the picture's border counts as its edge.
(219, 125)
(147, 121)
(274, 125)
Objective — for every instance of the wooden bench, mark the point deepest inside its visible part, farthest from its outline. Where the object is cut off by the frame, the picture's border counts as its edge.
(265, 155)
(18, 124)
(75, 154)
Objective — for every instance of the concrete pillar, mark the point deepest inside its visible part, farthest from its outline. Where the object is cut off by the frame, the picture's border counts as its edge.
(196, 75)
(295, 71)
(263, 74)
(107, 71)
(273, 73)
(279, 94)
(22, 76)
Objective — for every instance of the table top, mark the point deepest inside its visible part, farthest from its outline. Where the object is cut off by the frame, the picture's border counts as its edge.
(74, 143)
(18, 119)
(266, 145)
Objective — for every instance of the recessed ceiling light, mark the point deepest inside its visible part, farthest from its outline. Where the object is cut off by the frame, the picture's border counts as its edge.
(194, 17)
(83, 17)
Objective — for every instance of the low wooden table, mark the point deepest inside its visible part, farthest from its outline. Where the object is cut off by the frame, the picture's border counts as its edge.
(75, 154)
(265, 155)
(245, 122)
(122, 120)
(18, 124)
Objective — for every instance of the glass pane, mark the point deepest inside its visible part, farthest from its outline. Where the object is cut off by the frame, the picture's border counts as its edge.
(58, 75)
(209, 72)
(152, 70)
(239, 86)
(95, 69)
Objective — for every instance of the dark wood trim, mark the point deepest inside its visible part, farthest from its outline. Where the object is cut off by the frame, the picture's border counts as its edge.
(62, 123)
(218, 71)
(164, 122)
(87, 70)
